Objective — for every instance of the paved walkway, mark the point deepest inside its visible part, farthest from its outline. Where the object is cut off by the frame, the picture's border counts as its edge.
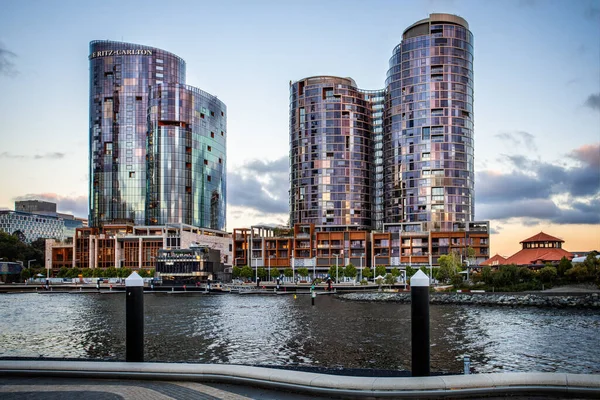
(12, 388)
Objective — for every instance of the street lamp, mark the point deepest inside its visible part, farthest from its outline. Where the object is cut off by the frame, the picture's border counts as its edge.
(336, 267)
(361, 267)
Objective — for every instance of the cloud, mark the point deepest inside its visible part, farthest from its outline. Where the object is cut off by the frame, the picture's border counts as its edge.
(51, 156)
(75, 205)
(7, 67)
(587, 154)
(518, 139)
(527, 190)
(593, 102)
(261, 186)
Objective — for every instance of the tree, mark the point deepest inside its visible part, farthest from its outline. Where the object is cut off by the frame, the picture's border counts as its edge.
(262, 273)
(288, 273)
(524, 274)
(367, 273)
(547, 274)
(449, 266)
(486, 274)
(236, 272)
(63, 272)
(350, 271)
(395, 272)
(275, 272)
(563, 266)
(410, 271)
(579, 273)
(380, 270)
(87, 272)
(247, 272)
(25, 273)
(389, 279)
(303, 272)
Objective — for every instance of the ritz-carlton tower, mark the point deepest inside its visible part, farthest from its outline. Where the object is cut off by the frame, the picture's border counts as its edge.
(157, 146)
(402, 155)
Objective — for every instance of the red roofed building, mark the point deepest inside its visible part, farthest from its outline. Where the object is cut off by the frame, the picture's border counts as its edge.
(539, 249)
(496, 260)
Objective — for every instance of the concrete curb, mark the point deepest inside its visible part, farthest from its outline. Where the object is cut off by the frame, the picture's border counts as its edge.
(587, 385)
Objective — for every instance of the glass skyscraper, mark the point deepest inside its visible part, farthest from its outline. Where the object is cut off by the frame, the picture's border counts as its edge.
(157, 146)
(400, 155)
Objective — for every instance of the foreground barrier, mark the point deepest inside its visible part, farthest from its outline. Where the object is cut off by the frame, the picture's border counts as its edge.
(455, 386)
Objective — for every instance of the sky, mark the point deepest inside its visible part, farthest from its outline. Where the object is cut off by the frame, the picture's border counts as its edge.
(536, 110)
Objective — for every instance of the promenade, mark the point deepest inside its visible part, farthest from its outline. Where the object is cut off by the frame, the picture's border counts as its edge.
(119, 380)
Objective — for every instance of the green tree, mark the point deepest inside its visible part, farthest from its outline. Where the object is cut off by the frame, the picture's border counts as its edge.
(579, 273)
(507, 275)
(548, 274)
(395, 272)
(524, 274)
(303, 272)
(288, 273)
(563, 266)
(247, 272)
(63, 272)
(236, 272)
(87, 272)
(449, 266)
(110, 272)
(486, 274)
(25, 274)
(380, 270)
(12, 248)
(98, 273)
(275, 272)
(350, 271)
(262, 273)
(367, 273)
(389, 279)
(410, 271)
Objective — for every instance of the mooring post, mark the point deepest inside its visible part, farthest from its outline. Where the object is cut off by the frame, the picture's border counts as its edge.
(313, 294)
(419, 310)
(134, 316)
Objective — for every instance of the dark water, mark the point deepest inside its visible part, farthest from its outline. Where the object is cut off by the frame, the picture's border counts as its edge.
(278, 330)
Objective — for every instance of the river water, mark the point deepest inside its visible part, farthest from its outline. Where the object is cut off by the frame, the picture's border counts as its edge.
(283, 331)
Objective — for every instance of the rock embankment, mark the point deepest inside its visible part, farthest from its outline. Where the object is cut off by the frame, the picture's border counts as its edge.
(590, 300)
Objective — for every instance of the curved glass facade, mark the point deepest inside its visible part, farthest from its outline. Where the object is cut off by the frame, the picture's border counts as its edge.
(428, 127)
(331, 153)
(122, 76)
(186, 158)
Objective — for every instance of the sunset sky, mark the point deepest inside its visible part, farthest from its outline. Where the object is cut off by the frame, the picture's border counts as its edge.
(537, 96)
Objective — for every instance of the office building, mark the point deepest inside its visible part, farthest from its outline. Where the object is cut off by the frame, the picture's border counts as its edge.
(157, 146)
(401, 155)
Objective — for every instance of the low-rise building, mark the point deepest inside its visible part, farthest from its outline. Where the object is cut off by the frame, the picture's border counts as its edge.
(536, 250)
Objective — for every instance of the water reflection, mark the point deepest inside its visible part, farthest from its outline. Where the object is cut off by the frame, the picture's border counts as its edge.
(278, 330)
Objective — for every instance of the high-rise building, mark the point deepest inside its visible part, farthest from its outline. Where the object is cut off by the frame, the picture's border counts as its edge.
(157, 146)
(402, 155)
(428, 129)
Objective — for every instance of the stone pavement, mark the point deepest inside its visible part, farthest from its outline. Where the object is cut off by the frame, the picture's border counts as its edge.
(13, 388)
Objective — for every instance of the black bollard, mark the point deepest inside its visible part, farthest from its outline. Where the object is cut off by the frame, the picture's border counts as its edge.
(419, 313)
(134, 318)
(313, 295)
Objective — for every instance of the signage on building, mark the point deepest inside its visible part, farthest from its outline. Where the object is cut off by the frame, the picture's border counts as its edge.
(131, 52)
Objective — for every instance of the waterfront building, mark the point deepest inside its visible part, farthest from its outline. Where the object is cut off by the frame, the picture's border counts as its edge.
(536, 251)
(157, 146)
(305, 246)
(132, 246)
(400, 155)
(193, 265)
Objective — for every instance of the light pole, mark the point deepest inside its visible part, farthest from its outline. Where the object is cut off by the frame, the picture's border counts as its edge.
(293, 269)
(336, 267)
(256, 269)
(361, 267)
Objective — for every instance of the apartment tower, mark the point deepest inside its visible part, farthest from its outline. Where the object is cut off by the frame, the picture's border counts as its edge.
(398, 156)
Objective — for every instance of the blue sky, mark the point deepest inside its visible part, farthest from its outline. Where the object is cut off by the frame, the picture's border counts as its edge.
(537, 95)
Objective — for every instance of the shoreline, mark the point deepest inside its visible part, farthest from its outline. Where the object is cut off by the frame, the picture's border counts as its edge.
(525, 299)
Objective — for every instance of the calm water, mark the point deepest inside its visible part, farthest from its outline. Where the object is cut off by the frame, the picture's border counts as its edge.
(278, 330)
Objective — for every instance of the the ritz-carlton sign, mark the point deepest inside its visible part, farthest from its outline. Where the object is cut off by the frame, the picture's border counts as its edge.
(108, 53)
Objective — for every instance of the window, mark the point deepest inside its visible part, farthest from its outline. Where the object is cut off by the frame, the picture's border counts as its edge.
(132, 174)
(205, 162)
(212, 113)
(209, 148)
(221, 133)
(220, 161)
(212, 134)
(202, 115)
(208, 178)
(222, 115)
